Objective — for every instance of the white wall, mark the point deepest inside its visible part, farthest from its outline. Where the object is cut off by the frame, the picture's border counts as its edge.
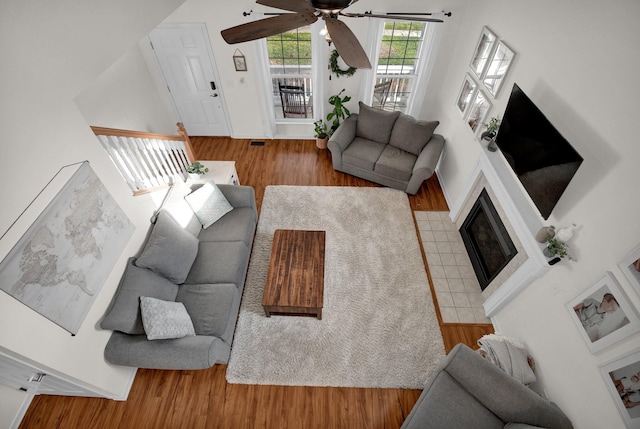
(51, 51)
(125, 97)
(578, 63)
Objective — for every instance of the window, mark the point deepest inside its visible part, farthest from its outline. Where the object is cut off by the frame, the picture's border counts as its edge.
(398, 65)
(291, 74)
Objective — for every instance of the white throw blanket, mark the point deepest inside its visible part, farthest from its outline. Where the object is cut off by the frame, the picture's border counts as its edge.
(509, 355)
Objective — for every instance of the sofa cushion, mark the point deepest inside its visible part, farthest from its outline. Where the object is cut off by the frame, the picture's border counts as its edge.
(208, 203)
(220, 262)
(124, 313)
(362, 153)
(170, 249)
(396, 163)
(375, 124)
(179, 209)
(238, 224)
(208, 305)
(163, 320)
(411, 135)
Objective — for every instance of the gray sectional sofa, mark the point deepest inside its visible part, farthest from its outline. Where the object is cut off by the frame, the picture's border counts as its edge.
(389, 148)
(204, 269)
(467, 391)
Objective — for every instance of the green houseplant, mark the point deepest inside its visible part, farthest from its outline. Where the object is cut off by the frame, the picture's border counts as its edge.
(492, 128)
(322, 134)
(196, 169)
(555, 247)
(340, 111)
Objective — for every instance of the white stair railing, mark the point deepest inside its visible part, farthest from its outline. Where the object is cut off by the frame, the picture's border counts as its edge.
(147, 161)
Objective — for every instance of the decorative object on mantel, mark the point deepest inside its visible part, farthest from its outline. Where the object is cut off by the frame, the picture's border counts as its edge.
(545, 233)
(239, 61)
(492, 127)
(63, 258)
(565, 234)
(555, 247)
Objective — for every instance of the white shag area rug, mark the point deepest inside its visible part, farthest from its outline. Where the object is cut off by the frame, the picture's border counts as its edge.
(378, 328)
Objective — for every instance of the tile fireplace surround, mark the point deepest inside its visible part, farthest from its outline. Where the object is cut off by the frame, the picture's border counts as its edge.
(520, 219)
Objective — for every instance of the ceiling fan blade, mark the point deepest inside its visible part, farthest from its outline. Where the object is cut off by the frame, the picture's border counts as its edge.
(291, 5)
(346, 44)
(267, 27)
(390, 16)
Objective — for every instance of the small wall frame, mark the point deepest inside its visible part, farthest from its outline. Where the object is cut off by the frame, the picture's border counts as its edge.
(239, 61)
(600, 329)
(617, 374)
(630, 266)
(482, 53)
(498, 68)
(478, 111)
(466, 95)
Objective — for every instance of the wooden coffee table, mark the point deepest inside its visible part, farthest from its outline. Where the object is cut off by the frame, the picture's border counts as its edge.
(295, 279)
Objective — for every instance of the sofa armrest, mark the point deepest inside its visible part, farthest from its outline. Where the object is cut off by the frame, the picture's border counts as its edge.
(195, 352)
(498, 392)
(239, 196)
(341, 138)
(426, 163)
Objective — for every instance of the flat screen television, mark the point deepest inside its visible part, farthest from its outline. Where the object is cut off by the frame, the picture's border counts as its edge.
(543, 160)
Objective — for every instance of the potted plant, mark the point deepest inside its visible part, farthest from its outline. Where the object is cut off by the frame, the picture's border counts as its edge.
(339, 110)
(322, 134)
(554, 248)
(492, 128)
(196, 169)
(487, 137)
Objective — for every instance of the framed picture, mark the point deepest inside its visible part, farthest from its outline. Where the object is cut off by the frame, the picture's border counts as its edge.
(478, 111)
(498, 68)
(239, 61)
(622, 377)
(483, 51)
(466, 94)
(603, 314)
(630, 266)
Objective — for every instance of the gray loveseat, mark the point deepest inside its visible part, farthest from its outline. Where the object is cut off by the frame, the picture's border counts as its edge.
(203, 268)
(467, 391)
(389, 148)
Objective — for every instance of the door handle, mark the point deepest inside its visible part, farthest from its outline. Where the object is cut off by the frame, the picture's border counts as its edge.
(213, 85)
(215, 94)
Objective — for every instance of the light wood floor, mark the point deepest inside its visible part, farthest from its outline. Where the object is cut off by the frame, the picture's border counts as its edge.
(203, 399)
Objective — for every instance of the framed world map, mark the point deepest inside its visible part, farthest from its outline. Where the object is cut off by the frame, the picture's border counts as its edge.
(59, 265)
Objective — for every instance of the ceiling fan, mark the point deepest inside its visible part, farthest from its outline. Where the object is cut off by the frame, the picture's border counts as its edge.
(306, 13)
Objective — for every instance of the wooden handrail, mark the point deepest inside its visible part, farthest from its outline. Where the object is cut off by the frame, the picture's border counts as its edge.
(182, 136)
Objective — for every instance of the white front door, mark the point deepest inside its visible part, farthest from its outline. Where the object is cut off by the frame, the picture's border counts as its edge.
(186, 62)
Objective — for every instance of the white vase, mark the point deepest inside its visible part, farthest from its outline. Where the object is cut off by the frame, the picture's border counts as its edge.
(565, 234)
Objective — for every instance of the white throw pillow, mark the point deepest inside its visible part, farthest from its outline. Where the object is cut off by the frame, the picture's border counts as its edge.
(208, 203)
(163, 320)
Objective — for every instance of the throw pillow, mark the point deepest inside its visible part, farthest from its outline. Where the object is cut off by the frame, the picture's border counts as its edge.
(164, 320)
(208, 203)
(124, 313)
(170, 250)
(411, 135)
(208, 305)
(375, 124)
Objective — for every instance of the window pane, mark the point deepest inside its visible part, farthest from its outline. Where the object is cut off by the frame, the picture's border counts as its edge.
(290, 66)
(400, 47)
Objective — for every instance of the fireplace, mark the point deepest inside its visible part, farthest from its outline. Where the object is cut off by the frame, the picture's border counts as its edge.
(486, 239)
